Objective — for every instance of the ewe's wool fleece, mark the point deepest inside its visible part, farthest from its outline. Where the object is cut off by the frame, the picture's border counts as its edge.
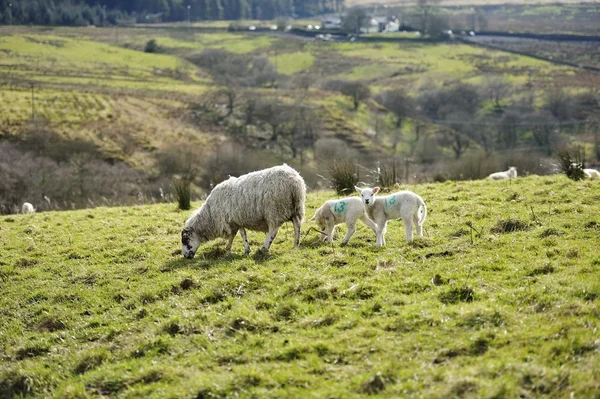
(255, 201)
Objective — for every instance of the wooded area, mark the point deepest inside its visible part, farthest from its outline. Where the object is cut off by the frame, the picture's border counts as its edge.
(92, 12)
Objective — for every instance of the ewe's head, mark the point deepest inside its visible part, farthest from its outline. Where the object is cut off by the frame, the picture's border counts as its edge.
(190, 241)
(368, 195)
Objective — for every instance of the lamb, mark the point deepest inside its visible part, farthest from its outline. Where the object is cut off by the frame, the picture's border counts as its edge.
(511, 173)
(345, 210)
(258, 201)
(403, 204)
(27, 208)
(592, 174)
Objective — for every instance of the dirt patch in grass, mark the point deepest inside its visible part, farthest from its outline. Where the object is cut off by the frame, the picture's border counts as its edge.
(456, 295)
(504, 226)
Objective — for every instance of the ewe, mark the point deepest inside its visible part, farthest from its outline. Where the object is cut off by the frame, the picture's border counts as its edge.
(259, 201)
(511, 173)
(403, 204)
(27, 208)
(334, 212)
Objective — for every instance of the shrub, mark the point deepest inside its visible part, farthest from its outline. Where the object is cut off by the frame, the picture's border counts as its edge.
(182, 190)
(571, 162)
(389, 174)
(151, 46)
(344, 176)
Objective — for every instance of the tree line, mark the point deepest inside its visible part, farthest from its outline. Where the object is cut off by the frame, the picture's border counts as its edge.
(94, 12)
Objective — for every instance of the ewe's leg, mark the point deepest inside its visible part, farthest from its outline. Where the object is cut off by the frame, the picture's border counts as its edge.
(245, 238)
(230, 243)
(270, 237)
(297, 224)
(351, 229)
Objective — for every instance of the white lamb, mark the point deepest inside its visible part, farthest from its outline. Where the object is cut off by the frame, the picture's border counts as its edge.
(511, 173)
(27, 208)
(259, 201)
(403, 204)
(592, 174)
(345, 210)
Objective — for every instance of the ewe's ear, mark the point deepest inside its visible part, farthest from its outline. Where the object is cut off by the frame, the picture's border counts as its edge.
(358, 189)
(375, 190)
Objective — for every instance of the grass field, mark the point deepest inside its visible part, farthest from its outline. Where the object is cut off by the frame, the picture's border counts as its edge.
(101, 303)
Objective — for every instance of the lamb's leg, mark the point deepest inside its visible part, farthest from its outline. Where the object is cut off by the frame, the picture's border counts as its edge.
(329, 230)
(297, 225)
(384, 231)
(416, 222)
(408, 227)
(270, 238)
(351, 229)
(380, 233)
(369, 223)
(245, 238)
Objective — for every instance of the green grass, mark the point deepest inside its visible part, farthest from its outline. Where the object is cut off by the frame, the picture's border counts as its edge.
(414, 62)
(291, 63)
(100, 302)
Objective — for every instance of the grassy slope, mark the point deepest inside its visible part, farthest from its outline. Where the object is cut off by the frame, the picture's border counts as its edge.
(100, 302)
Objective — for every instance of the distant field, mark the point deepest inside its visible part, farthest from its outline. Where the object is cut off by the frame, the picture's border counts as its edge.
(90, 81)
(101, 303)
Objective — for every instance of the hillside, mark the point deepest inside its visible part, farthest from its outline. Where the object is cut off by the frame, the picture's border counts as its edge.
(101, 303)
(153, 103)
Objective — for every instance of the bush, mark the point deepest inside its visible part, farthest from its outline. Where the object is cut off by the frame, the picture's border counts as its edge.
(571, 162)
(183, 192)
(344, 176)
(151, 46)
(389, 174)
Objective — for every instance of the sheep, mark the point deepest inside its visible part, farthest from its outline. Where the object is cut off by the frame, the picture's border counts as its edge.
(345, 210)
(511, 173)
(592, 174)
(259, 201)
(403, 204)
(27, 208)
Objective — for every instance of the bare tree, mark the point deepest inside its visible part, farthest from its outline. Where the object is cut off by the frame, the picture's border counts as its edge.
(354, 20)
(399, 103)
(496, 89)
(357, 91)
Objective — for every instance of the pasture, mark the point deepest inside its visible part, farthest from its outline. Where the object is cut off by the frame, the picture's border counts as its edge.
(499, 299)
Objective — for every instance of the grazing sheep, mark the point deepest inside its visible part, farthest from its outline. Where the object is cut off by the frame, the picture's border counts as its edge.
(259, 201)
(511, 173)
(345, 210)
(27, 208)
(592, 174)
(403, 204)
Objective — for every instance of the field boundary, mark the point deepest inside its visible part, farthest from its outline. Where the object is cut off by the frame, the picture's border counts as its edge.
(539, 57)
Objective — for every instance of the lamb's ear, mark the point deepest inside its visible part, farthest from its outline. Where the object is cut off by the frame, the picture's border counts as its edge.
(358, 189)
(375, 190)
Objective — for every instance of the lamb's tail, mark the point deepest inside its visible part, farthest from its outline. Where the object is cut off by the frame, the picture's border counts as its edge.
(422, 219)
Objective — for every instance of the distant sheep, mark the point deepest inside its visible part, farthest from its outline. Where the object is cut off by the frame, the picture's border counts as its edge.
(511, 173)
(403, 204)
(259, 201)
(27, 208)
(346, 210)
(592, 174)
